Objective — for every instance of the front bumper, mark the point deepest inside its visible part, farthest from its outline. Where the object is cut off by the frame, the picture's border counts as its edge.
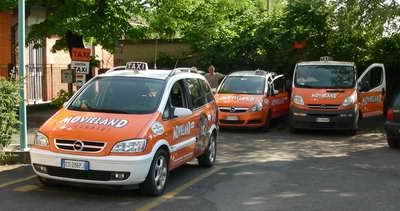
(392, 129)
(317, 119)
(244, 119)
(137, 167)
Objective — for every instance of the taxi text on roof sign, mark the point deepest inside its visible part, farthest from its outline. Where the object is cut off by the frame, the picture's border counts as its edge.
(80, 54)
(137, 66)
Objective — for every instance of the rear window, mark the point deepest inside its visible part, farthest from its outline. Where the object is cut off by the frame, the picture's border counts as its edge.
(120, 95)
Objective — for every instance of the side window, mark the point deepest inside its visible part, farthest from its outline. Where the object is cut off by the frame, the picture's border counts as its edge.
(176, 99)
(196, 94)
(372, 79)
(279, 84)
(207, 90)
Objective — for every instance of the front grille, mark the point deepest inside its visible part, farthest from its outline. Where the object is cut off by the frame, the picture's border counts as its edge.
(254, 121)
(233, 122)
(323, 125)
(233, 109)
(323, 106)
(86, 146)
(323, 115)
(85, 175)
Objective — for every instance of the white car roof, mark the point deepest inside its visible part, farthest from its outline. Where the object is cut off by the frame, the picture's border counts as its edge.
(251, 73)
(327, 63)
(151, 73)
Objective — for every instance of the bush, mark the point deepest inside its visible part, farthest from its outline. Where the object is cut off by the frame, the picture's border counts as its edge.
(62, 97)
(9, 99)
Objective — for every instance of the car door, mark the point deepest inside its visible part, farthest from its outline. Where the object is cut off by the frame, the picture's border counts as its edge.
(180, 130)
(280, 96)
(372, 87)
(198, 105)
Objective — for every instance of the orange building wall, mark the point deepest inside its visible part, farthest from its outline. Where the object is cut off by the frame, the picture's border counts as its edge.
(5, 42)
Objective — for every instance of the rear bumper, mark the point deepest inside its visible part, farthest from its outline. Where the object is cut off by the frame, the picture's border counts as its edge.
(245, 119)
(392, 129)
(325, 120)
(100, 171)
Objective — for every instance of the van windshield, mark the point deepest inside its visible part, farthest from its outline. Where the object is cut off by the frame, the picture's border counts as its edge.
(325, 76)
(120, 95)
(243, 85)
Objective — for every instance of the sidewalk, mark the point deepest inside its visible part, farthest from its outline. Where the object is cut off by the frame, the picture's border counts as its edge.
(37, 115)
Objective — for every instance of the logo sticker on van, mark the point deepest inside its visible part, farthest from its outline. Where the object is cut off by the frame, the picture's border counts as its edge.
(116, 123)
(371, 99)
(239, 98)
(324, 95)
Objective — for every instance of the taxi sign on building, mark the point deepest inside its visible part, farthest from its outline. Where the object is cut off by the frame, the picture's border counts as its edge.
(137, 66)
(80, 67)
(80, 54)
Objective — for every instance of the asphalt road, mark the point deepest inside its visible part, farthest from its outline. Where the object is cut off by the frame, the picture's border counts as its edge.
(278, 170)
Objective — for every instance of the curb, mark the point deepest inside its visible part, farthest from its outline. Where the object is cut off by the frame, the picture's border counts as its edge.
(16, 155)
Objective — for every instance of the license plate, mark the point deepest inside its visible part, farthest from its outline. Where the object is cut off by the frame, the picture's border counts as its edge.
(231, 118)
(75, 164)
(323, 120)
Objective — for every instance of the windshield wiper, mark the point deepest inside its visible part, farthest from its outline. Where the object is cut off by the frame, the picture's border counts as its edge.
(108, 111)
(306, 86)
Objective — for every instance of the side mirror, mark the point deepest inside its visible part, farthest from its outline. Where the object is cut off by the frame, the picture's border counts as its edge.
(276, 92)
(182, 112)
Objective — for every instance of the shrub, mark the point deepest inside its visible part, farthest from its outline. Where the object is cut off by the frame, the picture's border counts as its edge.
(9, 99)
(62, 97)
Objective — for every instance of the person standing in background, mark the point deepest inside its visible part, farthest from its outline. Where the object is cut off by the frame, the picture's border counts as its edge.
(214, 78)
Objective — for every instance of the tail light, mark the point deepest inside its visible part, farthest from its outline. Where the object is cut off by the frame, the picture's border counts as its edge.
(390, 114)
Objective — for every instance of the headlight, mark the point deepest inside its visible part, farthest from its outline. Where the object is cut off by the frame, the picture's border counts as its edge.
(349, 100)
(137, 145)
(256, 107)
(41, 139)
(297, 99)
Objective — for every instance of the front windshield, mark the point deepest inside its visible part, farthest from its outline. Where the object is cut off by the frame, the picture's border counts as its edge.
(120, 95)
(243, 85)
(325, 76)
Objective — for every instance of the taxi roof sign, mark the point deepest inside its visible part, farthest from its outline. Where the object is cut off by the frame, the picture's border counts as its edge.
(260, 72)
(136, 66)
(326, 58)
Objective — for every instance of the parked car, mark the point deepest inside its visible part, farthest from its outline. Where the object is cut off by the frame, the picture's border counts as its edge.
(327, 94)
(129, 127)
(392, 124)
(252, 99)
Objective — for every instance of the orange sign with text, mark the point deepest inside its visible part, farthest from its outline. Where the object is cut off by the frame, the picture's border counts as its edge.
(80, 54)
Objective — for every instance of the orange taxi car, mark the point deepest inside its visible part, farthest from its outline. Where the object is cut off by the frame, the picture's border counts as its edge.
(327, 94)
(251, 99)
(129, 127)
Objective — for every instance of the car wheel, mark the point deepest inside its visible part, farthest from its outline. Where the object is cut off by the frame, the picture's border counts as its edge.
(393, 143)
(207, 159)
(156, 179)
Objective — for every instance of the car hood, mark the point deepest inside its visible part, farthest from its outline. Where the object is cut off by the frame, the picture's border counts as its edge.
(237, 100)
(323, 96)
(92, 126)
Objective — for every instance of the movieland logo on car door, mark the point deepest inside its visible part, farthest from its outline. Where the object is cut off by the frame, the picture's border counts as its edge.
(183, 130)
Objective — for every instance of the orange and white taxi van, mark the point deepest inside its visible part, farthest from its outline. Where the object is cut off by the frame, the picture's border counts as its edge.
(129, 127)
(327, 94)
(252, 99)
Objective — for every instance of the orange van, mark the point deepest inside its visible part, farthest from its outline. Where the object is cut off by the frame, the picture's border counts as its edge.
(328, 95)
(129, 127)
(251, 99)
